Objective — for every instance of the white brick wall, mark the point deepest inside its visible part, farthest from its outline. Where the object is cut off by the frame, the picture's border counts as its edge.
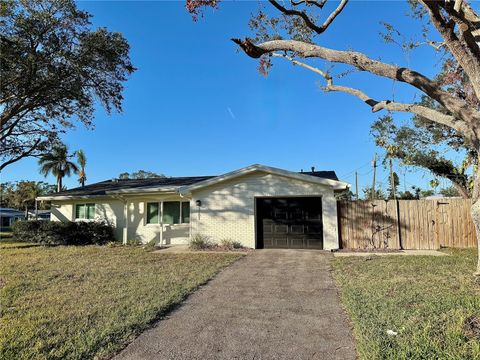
(112, 212)
(138, 228)
(228, 209)
(108, 210)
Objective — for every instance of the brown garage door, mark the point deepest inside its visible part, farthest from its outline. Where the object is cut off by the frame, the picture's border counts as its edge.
(294, 223)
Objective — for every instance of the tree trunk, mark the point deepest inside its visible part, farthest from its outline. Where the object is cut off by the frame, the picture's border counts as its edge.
(475, 210)
(59, 183)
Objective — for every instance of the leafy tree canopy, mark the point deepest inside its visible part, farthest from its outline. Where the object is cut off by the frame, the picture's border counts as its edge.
(22, 194)
(54, 67)
(140, 174)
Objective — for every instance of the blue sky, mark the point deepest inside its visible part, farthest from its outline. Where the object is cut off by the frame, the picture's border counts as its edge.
(196, 106)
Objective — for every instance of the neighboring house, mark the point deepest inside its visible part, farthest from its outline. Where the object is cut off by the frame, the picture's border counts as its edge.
(9, 216)
(258, 206)
(39, 215)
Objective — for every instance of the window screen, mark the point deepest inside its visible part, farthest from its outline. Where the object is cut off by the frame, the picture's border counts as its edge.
(90, 211)
(171, 212)
(80, 211)
(85, 211)
(185, 212)
(152, 213)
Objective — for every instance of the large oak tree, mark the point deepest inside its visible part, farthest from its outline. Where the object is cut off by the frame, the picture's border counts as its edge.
(458, 24)
(54, 67)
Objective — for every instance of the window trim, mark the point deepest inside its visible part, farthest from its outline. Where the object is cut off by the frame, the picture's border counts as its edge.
(85, 218)
(160, 213)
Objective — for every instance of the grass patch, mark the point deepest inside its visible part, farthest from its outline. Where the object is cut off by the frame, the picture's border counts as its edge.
(4, 235)
(86, 302)
(433, 303)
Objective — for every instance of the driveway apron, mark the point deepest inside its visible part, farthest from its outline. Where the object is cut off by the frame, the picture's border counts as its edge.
(272, 304)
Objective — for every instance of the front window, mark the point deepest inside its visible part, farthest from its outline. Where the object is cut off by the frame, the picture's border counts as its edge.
(185, 212)
(153, 211)
(85, 211)
(174, 212)
(171, 212)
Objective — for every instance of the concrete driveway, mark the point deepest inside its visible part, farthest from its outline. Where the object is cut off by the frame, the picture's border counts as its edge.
(272, 304)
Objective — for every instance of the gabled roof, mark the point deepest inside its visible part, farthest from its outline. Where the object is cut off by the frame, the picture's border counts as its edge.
(185, 185)
(335, 184)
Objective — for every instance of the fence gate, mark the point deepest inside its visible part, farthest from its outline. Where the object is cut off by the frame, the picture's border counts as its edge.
(407, 224)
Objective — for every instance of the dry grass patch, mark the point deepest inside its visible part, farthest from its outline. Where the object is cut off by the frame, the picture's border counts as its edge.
(86, 302)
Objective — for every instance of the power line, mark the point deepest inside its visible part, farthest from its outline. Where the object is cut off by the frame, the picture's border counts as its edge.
(353, 171)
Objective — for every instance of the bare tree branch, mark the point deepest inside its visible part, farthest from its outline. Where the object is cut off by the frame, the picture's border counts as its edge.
(319, 4)
(306, 66)
(468, 59)
(376, 106)
(20, 156)
(459, 108)
(308, 21)
(423, 111)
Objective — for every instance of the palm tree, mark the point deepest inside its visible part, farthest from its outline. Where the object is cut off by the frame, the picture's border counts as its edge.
(58, 164)
(82, 161)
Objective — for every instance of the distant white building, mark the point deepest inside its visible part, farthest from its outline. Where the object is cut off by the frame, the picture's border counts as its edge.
(39, 215)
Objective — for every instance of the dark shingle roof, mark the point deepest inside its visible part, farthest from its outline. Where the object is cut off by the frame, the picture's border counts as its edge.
(115, 185)
(101, 188)
(329, 174)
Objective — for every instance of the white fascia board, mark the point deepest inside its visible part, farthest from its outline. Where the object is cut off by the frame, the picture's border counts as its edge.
(111, 194)
(68, 197)
(336, 185)
(144, 190)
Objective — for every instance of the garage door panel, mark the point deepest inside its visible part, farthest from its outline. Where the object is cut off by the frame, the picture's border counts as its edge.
(297, 229)
(297, 242)
(280, 242)
(290, 223)
(314, 243)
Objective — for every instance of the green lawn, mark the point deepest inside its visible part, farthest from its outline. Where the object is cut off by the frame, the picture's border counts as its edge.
(432, 302)
(4, 235)
(85, 302)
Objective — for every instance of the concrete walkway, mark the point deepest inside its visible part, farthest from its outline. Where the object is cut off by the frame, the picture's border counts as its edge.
(272, 304)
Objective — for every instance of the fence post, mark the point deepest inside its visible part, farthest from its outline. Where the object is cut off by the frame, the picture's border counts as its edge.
(399, 227)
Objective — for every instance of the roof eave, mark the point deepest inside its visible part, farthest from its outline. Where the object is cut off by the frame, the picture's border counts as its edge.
(138, 191)
(67, 197)
(143, 190)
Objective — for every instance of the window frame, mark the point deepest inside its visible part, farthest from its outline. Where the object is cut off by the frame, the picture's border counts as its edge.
(86, 211)
(161, 213)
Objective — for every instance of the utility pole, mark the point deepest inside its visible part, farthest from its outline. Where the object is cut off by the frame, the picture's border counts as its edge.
(392, 180)
(372, 195)
(356, 185)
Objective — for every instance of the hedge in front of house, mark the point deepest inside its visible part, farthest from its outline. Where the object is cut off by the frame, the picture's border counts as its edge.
(63, 233)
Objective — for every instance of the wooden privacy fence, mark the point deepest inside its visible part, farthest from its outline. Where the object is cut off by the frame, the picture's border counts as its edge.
(406, 224)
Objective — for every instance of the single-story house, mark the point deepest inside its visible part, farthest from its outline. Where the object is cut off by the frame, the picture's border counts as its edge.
(258, 206)
(8, 217)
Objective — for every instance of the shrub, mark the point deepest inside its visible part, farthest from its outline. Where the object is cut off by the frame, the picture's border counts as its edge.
(63, 233)
(200, 242)
(134, 242)
(230, 244)
(150, 246)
